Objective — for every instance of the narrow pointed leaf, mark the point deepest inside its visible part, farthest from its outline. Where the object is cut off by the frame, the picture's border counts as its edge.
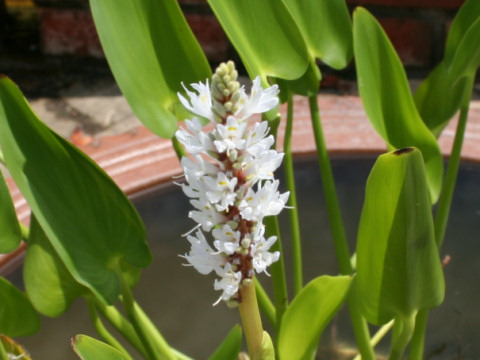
(437, 100)
(91, 224)
(326, 28)
(10, 235)
(13, 348)
(308, 315)
(265, 35)
(387, 99)
(151, 50)
(88, 348)
(17, 315)
(230, 346)
(398, 267)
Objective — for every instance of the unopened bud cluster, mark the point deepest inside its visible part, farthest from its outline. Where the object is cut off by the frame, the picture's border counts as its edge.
(229, 179)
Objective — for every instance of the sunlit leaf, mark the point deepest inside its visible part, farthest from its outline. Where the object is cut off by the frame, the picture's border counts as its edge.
(265, 35)
(17, 315)
(437, 100)
(230, 346)
(308, 315)
(10, 235)
(387, 99)
(398, 266)
(326, 28)
(91, 224)
(151, 50)
(88, 348)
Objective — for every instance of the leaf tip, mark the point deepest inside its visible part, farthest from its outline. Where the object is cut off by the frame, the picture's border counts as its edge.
(403, 151)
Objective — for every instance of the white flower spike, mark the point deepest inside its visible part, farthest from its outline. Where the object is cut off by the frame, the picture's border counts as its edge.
(225, 165)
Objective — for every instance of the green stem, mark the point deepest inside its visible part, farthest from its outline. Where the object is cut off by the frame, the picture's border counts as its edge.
(179, 150)
(2, 158)
(330, 192)
(103, 332)
(441, 220)
(338, 231)
(139, 326)
(122, 325)
(445, 201)
(292, 201)
(379, 335)
(252, 322)
(402, 333)
(279, 280)
(265, 303)
(25, 231)
(3, 351)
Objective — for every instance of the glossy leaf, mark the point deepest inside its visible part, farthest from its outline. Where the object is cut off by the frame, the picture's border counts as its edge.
(17, 315)
(308, 315)
(151, 50)
(326, 28)
(91, 224)
(88, 348)
(387, 99)
(230, 346)
(10, 235)
(437, 100)
(398, 266)
(265, 35)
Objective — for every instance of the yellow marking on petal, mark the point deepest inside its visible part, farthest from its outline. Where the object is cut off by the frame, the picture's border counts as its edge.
(232, 128)
(223, 183)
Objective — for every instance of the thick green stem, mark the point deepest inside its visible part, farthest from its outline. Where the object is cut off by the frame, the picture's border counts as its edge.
(279, 280)
(360, 327)
(265, 303)
(154, 352)
(402, 333)
(103, 332)
(122, 325)
(330, 192)
(441, 220)
(252, 322)
(292, 201)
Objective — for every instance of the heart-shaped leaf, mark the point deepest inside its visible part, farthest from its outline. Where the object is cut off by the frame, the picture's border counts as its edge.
(151, 50)
(398, 266)
(17, 315)
(265, 35)
(10, 235)
(308, 315)
(88, 348)
(326, 28)
(387, 99)
(90, 223)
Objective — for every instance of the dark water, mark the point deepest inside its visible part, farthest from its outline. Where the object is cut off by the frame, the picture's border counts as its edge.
(179, 300)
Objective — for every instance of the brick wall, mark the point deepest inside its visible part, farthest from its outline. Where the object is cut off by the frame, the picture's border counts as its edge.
(417, 28)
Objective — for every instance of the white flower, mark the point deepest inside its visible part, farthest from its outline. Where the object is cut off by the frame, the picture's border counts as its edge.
(229, 283)
(230, 136)
(266, 201)
(201, 255)
(221, 191)
(262, 258)
(226, 240)
(260, 100)
(193, 138)
(200, 104)
(207, 216)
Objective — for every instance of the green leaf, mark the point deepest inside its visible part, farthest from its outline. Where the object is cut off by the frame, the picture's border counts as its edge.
(326, 28)
(151, 50)
(265, 35)
(230, 346)
(13, 348)
(10, 235)
(91, 224)
(308, 315)
(466, 17)
(437, 101)
(387, 99)
(17, 315)
(398, 265)
(88, 348)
